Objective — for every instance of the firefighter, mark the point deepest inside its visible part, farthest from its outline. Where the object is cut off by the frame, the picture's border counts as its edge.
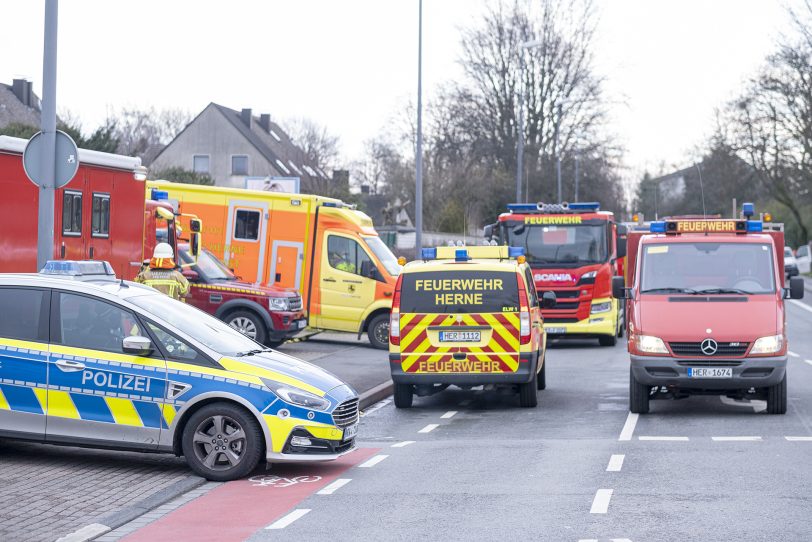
(163, 275)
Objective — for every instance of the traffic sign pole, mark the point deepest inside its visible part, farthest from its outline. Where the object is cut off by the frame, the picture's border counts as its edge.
(45, 223)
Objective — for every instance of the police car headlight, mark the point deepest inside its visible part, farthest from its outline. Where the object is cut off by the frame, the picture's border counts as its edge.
(278, 303)
(651, 345)
(768, 345)
(601, 307)
(296, 396)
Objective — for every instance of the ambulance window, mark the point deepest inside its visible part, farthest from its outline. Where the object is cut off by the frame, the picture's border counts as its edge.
(176, 349)
(21, 312)
(531, 286)
(246, 225)
(346, 254)
(72, 213)
(93, 324)
(100, 225)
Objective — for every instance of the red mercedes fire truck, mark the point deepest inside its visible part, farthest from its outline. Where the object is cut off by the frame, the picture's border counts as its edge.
(573, 250)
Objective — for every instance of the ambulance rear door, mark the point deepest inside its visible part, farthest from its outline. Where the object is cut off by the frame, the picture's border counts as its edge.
(246, 234)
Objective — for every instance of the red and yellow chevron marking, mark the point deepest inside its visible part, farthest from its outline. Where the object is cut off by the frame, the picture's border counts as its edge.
(419, 354)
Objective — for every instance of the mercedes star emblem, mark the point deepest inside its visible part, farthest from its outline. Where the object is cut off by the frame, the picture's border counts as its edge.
(709, 347)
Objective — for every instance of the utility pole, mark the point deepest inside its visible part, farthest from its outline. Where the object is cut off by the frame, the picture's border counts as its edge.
(577, 163)
(45, 222)
(555, 152)
(520, 130)
(418, 191)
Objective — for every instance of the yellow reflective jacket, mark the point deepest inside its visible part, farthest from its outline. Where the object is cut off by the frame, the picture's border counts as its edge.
(167, 281)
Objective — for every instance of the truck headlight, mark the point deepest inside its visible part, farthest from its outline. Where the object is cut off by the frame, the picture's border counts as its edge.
(651, 344)
(296, 396)
(278, 303)
(768, 345)
(589, 275)
(601, 307)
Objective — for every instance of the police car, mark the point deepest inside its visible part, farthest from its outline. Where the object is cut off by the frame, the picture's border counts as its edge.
(90, 360)
(467, 317)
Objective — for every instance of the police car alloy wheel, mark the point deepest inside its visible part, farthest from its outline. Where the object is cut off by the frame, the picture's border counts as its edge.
(222, 442)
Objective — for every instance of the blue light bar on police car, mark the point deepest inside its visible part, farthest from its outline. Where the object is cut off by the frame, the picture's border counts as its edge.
(428, 253)
(515, 252)
(76, 268)
(657, 227)
(461, 255)
(755, 226)
(158, 195)
(585, 206)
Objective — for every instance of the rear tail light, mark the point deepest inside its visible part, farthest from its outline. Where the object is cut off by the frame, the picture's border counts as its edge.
(394, 317)
(524, 316)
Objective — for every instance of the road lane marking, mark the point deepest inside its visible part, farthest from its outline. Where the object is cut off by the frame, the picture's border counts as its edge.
(587, 540)
(375, 407)
(615, 463)
(284, 521)
(402, 444)
(799, 439)
(809, 361)
(621, 540)
(329, 489)
(449, 414)
(736, 439)
(793, 354)
(670, 439)
(600, 504)
(628, 427)
(429, 428)
(372, 461)
(804, 306)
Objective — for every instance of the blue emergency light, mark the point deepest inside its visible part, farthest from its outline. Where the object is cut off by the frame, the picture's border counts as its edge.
(74, 268)
(515, 252)
(748, 210)
(428, 253)
(329, 204)
(657, 227)
(158, 195)
(461, 255)
(755, 226)
(522, 207)
(585, 206)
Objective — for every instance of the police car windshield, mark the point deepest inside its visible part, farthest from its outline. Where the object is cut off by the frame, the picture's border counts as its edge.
(707, 268)
(557, 245)
(208, 266)
(196, 324)
(385, 255)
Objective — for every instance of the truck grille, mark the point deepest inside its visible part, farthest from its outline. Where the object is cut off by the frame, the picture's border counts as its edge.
(295, 304)
(695, 349)
(346, 413)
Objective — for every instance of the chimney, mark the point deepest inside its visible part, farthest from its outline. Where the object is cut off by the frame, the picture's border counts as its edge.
(22, 90)
(265, 122)
(245, 115)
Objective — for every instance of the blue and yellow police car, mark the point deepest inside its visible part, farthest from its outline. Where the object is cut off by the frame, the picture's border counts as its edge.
(87, 359)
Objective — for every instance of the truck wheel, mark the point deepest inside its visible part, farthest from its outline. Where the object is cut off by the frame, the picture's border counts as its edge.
(777, 397)
(404, 393)
(247, 323)
(607, 340)
(541, 382)
(222, 442)
(528, 393)
(638, 395)
(378, 332)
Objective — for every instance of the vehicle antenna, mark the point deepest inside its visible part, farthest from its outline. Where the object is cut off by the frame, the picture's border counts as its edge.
(702, 190)
(122, 284)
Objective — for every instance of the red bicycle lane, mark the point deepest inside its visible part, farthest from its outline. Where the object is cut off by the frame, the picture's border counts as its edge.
(235, 510)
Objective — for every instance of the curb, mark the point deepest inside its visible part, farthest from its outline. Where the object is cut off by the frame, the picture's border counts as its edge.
(379, 392)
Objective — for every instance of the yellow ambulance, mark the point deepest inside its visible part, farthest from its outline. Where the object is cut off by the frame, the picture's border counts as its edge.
(467, 316)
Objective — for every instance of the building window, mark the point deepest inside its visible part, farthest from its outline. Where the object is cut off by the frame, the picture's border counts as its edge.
(100, 225)
(72, 213)
(239, 164)
(200, 163)
(246, 225)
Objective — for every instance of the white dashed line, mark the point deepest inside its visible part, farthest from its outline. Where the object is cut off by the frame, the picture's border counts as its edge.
(809, 361)
(372, 461)
(375, 407)
(402, 444)
(673, 439)
(600, 504)
(331, 488)
(628, 427)
(793, 354)
(799, 439)
(804, 306)
(615, 463)
(735, 439)
(284, 521)
(429, 428)
(587, 540)
(449, 414)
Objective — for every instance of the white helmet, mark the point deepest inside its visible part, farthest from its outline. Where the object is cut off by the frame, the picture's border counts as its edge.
(163, 250)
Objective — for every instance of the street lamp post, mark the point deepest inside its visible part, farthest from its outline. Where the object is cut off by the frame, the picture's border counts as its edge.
(418, 191)
(520, 134)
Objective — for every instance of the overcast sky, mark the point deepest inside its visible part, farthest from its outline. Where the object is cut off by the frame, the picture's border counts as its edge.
(351, 65)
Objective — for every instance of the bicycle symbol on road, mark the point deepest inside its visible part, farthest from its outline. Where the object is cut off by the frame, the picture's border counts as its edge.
(281, 482)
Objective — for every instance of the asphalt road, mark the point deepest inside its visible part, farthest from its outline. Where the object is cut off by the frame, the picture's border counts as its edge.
(472, 465)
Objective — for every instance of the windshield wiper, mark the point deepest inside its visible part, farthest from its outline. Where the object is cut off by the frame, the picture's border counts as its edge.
(669, 290)
(724, 291)
(252, 352)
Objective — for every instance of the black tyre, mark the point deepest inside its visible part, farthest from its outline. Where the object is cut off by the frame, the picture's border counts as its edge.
(639, 395)
(249, 324)
(528, 393)
(378, 332)
(777, 397)
(404, 393)
(541, 382)
(621, 325)
(222, 442)
(608, 340)
(274, 344)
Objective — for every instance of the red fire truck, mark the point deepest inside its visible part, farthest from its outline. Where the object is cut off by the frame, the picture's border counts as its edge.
(573, 250)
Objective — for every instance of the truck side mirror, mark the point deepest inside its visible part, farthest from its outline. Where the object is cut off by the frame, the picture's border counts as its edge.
(796, 288)
(548, 300)
(369, 270)
(621, 247)
(196, 225)
(194, 245)
(619, 288)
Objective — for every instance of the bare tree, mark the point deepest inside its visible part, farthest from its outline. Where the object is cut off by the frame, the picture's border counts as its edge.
(321, 147)
(137, 130)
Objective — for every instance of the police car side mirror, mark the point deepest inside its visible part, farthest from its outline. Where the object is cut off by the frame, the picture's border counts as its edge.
(137, 345)
(548, 300)
(796, 288)
(619, 288)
